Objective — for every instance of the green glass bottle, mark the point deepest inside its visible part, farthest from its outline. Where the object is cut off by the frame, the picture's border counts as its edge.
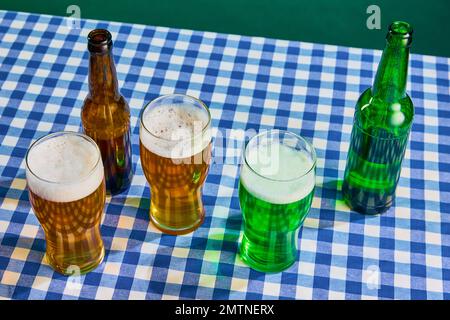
(382, 122)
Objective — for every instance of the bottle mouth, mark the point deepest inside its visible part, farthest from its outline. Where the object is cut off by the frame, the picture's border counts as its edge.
(402, 31)
(400, 28)
(99, 41)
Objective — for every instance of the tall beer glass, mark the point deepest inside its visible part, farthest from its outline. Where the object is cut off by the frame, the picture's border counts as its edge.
(276, 189)
(175, 147)
(66, 187)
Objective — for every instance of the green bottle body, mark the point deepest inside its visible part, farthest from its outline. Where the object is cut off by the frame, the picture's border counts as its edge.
(382, 123)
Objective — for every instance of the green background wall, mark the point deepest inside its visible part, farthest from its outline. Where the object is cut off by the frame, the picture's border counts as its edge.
(326, 21)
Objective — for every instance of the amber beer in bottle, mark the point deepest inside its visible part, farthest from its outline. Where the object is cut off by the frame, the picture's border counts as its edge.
(382, 122)
(105, 114)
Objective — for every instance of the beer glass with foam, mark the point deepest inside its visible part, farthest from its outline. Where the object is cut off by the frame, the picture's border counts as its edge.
(276, 189)
(175, 147)
(66, 187)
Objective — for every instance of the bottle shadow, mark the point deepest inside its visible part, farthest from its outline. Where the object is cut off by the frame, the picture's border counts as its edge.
(331, 211)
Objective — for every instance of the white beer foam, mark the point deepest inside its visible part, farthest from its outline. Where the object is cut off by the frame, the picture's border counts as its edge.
(64, 165)
(176, 131)
(282, 165)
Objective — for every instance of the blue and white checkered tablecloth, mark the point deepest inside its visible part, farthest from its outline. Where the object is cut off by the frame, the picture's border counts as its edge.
(249, 83)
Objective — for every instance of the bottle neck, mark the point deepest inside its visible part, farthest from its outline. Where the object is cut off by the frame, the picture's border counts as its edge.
(102, 76)
(392, 74)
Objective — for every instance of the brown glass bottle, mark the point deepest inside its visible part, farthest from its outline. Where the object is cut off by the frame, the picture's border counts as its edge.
(105, 114)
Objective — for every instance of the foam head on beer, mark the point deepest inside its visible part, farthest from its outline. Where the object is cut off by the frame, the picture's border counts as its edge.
(64, 168)
(278, 173)
(175, 130)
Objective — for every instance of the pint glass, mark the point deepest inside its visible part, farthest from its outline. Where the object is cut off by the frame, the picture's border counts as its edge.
(175, 148)
(276, 189)
(66, 187)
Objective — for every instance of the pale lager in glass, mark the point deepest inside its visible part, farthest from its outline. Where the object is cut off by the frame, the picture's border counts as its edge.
(175, 146)
(66, 187)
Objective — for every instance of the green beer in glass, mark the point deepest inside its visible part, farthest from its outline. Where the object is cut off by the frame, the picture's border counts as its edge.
(276, 189)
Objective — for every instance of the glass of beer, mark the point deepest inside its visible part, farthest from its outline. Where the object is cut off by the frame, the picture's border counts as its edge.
(66, 187)
(276, 189)
(175, 147)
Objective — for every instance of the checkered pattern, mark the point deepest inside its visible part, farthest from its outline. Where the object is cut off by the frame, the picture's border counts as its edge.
(249, 83)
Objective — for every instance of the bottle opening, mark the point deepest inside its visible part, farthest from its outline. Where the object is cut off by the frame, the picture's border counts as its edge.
(400, 33)
(400, 28)
(99, 40)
